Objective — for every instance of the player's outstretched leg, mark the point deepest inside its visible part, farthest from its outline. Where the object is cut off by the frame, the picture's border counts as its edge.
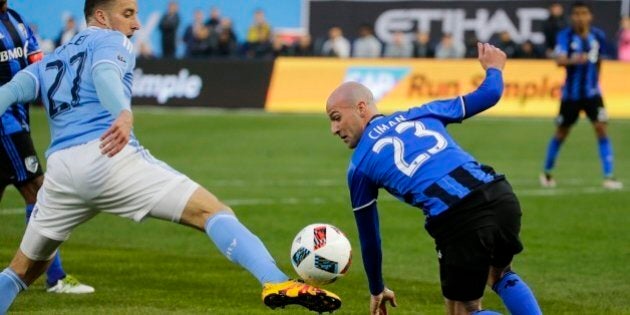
(516, 295)
(57, 280)
(205, 212)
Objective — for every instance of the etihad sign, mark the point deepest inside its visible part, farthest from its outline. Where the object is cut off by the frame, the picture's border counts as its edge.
(483, 22)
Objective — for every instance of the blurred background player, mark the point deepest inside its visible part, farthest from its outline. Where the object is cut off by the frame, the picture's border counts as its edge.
(96, 164)
(471, 211)
(19, 165)
(579, 48)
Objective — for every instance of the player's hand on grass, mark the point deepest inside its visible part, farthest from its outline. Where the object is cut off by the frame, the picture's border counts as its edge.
(378, 303)
(117, 136)
(490, 56)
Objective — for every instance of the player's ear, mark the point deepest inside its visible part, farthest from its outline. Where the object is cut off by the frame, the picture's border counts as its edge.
(362, 107)
(101, 17)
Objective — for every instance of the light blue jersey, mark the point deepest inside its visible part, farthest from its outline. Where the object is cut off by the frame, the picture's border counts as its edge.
(66, 87)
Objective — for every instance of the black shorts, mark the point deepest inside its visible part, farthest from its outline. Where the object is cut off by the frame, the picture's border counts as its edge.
(18, 160)
(570, 111)
(480, 231)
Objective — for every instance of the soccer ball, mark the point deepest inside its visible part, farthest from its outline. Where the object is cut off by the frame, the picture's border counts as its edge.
(321, 254)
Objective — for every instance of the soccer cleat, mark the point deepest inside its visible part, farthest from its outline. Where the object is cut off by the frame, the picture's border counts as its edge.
(70, 285)
(294, 292)
(612, 184)
(547, 181)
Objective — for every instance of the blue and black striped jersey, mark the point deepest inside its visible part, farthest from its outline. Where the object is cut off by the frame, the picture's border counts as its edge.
(17, 42)
(582, 81)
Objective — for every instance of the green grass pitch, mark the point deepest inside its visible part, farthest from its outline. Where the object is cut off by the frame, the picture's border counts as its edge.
(282, 172)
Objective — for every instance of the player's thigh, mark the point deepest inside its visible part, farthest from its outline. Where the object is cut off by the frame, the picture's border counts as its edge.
(569, 113)
(59, 208)
(464, 264)
(503, 241)
(139, 185)
(595, 110)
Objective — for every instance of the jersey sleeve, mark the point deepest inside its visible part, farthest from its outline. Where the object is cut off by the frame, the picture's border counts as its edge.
(363, 191)
(32, 44)
(603, 42)
(562, 44)
(117, 49)
(448, 111)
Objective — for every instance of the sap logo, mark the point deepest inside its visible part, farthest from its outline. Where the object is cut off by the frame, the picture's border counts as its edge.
(380, 80)
(15, 53)
(166, 86)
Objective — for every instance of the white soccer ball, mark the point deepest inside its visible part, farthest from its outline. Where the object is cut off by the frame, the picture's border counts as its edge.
(321, 254)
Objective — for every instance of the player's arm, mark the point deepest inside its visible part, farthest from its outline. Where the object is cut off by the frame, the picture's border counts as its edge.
(110, 91)
(113, 58)
(363, 194)
(21, 89)
(492, 60)
(33, 52)
(561, 52)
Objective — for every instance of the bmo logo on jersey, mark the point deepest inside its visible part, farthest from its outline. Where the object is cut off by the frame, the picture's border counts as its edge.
(380, 80)
(11, 54)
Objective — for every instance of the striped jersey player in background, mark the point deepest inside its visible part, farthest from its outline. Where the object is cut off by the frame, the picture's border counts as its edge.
(580, 48)
(19, 165)
(95, 163)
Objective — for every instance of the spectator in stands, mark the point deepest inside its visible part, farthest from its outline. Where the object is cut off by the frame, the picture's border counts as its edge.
(450, 48)
(198, 37)
(624, 39)
(259, 36)
(145, 52)
(46, 45)
(168, 26)
(399, 47)
(336, 45)
(214, 19)
(506, 44)
(471, 46)
(303, 47)
(556, 22)
(280, 46)
(226, 26)
(422, 47)
(367, 45)
(527, 50)
(227, 44)
(68, 31)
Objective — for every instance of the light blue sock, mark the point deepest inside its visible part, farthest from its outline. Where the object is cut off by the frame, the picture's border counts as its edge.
(606, 155)
(485, 312)
(516, 295)
(242, 247)
(55, 272)
(10, 286)
(552, 153)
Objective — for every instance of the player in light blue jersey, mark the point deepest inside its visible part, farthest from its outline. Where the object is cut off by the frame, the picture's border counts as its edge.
(95, 164)
(580, 49)
(470, 210)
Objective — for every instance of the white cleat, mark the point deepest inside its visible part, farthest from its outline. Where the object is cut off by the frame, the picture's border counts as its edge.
(612, 184)
(70, 285)
(547, 181)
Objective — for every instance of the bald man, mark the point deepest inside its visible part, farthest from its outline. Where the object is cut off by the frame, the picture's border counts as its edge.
(470, 210)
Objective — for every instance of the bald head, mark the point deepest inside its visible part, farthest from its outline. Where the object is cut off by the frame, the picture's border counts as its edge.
(351, 94)
(350, 107)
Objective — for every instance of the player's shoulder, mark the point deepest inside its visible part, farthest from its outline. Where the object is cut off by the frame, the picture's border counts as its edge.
(565, 32)
(16, 15)
(598, 32)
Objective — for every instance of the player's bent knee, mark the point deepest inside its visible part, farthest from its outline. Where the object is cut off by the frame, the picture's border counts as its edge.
(201, 206)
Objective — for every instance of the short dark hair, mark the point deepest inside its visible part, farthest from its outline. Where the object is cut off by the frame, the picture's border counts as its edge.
(91, 5)
(580, 4)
